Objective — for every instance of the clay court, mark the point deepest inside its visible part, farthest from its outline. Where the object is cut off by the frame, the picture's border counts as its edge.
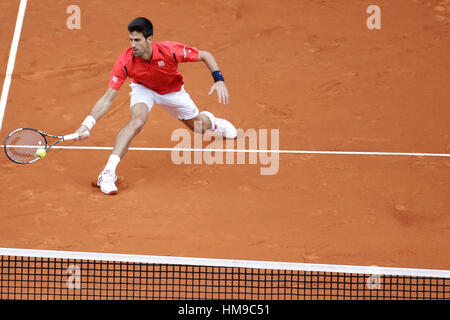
(311, 69)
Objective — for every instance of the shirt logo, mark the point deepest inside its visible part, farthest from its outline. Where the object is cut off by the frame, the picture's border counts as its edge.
(114, 79)
(161, 63)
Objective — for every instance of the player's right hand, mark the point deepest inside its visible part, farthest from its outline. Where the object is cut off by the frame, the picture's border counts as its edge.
(83, 133)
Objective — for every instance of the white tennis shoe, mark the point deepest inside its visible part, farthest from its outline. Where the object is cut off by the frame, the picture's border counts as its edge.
(106, 182)
(221, 126)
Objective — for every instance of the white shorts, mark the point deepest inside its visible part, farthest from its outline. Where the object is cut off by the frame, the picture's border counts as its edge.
(178, 104)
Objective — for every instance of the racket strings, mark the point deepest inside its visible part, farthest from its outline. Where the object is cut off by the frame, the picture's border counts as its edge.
(21, 146)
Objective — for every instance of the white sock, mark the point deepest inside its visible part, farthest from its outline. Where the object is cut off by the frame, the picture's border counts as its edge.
(112, 163)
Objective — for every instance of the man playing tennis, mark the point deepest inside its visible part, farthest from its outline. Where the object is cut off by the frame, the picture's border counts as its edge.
(152, 67)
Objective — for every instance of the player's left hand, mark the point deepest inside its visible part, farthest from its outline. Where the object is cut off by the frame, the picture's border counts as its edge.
(222, 91)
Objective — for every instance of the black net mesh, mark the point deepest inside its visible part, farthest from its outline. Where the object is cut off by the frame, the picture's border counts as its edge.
(51, 278)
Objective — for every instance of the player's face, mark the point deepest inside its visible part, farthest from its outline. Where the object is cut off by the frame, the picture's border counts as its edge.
(139, 44)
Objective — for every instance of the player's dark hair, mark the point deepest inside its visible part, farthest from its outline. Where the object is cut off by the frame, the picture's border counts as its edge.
(141, 25)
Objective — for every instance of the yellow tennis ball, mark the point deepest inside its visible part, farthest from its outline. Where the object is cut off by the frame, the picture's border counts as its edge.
(41, 152)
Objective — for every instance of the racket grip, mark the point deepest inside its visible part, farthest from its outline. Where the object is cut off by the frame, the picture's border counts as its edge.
(71, 136)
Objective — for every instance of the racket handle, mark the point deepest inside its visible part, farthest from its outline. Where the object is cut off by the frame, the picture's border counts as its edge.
(71, 136)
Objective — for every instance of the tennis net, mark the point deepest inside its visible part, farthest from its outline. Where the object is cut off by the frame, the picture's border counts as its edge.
(65, 275)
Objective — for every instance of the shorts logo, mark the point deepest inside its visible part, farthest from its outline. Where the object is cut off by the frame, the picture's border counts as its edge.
(161, 63)
(114, 79)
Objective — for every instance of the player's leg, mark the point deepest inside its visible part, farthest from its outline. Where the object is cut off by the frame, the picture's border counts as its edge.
(141, 103)
(107, 178)
(180, 105)
(211, 122)
(139, 116)
(203, 123)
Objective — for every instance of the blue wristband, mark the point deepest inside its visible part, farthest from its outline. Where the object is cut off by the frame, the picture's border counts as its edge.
(217, 75)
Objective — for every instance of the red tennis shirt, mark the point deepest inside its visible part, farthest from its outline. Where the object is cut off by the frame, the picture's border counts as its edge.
(160, 74)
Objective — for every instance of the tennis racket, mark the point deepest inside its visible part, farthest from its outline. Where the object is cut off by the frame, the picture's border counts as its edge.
(21, 144)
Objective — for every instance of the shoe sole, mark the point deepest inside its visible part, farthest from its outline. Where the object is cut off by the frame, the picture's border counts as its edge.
(111, 193)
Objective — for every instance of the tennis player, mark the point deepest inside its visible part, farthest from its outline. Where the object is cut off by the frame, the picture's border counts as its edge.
(153, 69)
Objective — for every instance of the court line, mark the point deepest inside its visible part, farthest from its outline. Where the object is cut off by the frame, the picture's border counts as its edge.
(366, 153)
(12, 59)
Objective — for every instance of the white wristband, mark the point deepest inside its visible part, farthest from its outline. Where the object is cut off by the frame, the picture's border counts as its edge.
(89, 122)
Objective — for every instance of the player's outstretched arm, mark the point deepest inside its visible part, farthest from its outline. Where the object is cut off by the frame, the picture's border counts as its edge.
(219, 84)
(97, 112)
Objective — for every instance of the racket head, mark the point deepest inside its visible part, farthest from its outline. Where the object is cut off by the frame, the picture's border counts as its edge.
(21, 145)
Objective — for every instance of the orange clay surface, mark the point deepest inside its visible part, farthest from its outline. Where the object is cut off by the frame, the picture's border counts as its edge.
(311, 69)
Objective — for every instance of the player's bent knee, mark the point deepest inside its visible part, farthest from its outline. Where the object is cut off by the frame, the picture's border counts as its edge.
(137, 124)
